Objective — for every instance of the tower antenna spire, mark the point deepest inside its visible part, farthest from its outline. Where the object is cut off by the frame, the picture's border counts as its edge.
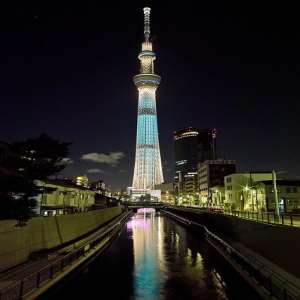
(147, 11)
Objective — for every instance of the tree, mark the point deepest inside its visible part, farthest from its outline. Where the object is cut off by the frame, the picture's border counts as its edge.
(25, 162)
(145, 198)
(17, 196)
(38, 158)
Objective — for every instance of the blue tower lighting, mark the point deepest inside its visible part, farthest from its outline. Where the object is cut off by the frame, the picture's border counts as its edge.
(147, 168)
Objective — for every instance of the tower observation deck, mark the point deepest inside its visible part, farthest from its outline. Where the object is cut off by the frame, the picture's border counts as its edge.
(147, 168)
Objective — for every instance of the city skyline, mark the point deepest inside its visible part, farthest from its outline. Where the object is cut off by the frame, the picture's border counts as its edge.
(149, 164)
(223, 68)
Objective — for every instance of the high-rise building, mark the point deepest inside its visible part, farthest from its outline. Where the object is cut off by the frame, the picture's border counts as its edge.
(211, 173)
(147, 168)
(207, 144)
(191, 146)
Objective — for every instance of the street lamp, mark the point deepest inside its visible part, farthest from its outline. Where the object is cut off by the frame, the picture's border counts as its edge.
(246, 188)
(245, 195)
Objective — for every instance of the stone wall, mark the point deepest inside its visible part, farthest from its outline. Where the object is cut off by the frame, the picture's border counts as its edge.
(42, 233)
(279, 244)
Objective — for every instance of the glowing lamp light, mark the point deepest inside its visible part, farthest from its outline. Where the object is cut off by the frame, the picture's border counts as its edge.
(246, 188)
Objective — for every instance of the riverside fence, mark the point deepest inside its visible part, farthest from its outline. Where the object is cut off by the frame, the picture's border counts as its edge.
(22, 288)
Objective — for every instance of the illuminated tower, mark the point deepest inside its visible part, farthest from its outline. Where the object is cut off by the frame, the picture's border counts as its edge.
(147, 168)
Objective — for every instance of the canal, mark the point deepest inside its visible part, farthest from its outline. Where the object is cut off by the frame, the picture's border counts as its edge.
(155, 258)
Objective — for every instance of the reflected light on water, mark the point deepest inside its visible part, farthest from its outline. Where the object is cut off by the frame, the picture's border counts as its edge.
(155, 258)
(145, 235)
(163, 258)
(137, 222)
(146, 210)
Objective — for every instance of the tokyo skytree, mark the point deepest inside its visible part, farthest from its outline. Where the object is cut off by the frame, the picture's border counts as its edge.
(147, 168)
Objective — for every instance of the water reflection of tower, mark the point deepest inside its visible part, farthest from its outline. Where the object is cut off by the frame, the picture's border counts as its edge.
(148, 236)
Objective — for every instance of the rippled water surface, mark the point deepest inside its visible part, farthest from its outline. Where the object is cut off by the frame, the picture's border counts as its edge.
(156, 258)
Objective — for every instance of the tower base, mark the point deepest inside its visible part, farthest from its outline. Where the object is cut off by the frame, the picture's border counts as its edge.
(144, 194)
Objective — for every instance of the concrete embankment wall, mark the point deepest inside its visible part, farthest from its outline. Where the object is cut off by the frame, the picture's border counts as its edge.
(279, 244)
(42, 233)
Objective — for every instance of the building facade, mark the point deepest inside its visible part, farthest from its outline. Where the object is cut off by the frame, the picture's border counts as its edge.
(59, 197)
(211, 173)
(167, 192)
(191, 146)
(148, 167)
(288, 191)
(99, 187)
(239, 189)
(218, 196)
(82, 181)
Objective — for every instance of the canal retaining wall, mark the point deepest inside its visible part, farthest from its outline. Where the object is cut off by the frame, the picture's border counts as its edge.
(44, 233)
(279, 244)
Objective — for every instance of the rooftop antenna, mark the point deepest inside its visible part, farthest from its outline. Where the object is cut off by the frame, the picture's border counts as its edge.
(147, 11)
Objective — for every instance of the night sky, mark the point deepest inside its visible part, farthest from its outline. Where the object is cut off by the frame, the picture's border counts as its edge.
(66, 70)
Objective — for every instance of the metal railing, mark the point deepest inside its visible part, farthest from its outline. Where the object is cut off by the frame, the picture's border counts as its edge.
(274, 283)
(30, 283)
(288, 219)
(268, 217)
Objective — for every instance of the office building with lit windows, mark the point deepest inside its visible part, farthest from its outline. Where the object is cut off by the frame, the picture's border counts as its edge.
(191, 146)
(211, 173)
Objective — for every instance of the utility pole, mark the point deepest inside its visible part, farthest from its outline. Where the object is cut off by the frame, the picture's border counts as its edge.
(275, 194)
(251, 194)
(256, 200)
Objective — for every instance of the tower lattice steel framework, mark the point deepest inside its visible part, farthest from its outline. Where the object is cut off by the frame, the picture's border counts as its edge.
(147, 168)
